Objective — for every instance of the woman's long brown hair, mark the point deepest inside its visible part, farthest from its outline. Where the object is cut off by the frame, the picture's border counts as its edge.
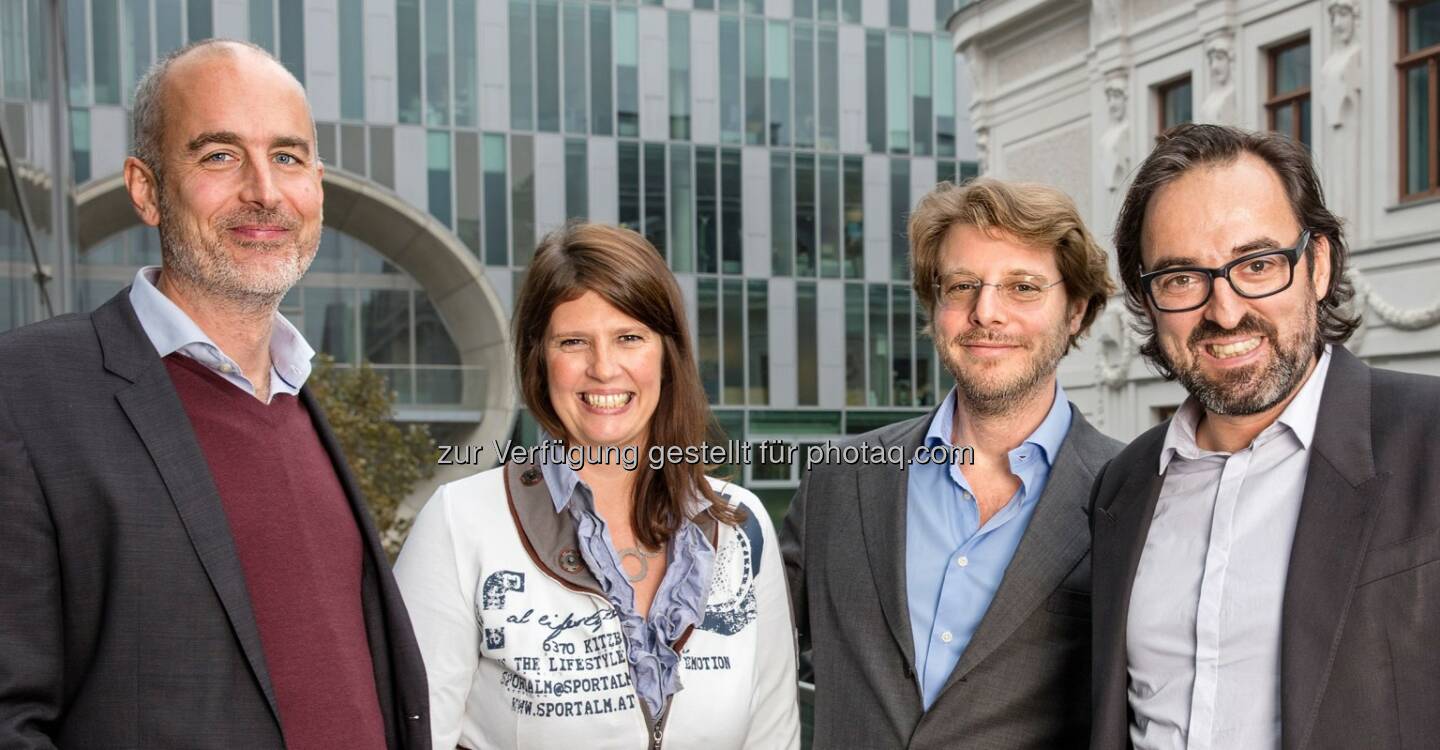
(626, 271)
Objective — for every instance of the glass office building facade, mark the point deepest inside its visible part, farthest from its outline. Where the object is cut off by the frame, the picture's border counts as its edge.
(770, 151)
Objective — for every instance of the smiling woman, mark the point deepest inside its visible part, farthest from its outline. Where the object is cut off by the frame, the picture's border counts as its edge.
(687, 636)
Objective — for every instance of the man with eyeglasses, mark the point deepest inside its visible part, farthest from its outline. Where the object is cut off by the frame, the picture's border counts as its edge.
(1267, 562)
(947, 605)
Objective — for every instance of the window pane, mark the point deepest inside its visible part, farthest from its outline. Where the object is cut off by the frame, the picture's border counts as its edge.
(803, 8)
(898, 93)
(1417, 128)
(292, 39)
(854, 217)
(732, 309)
(902, 333)
(352, 58)
(522, 100)
(827, 9)
(547, 66)
(105, 47)
(682, 211)
(385, 326)
(779, 77)
(1285, 119)
(135, 45)
(830, 216)
(199, 18)
(732, 112)
(1292, 69)
(382, 155)
(1423, 26)
(466, 65)
(168, 34)
(804, 86)
(407, 58)
(602, 111)
(899, 214)
(850, 11)
(262, 21)
(496, 185)
(924, 359)
(707, 212)
(330, 322)
(1305, 121)
(76, 57)
(808, 365)
(437, 150)
(679, 44)
(924, 106)
(577, 194)
(730, 203)
(1177, 104)
(433, 345)
(655, 195)
(437, 63)
(880, 363)
(467, 188)
(755, 81)
(627, 76)
(707, 318)
(576, 117)
(875, 90)
(628, 184)
(899, 13)
(944, 98)
(855, 344)
(829, 77)
(80, 144)
(805, 216)
(758, 291)
(522, 197)
(781, 241)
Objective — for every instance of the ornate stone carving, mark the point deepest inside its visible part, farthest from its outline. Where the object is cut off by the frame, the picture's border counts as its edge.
(1115, 159)
(1342, 79)
(1219, 104)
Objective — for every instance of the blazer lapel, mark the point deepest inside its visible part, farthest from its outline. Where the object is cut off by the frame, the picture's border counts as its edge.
(1337, 511)
(881, 492)
(154, 409)
(1052, 545)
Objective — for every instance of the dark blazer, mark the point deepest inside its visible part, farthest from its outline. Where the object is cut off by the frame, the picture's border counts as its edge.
(1021, 682)
(124, 617)
(1360, 624)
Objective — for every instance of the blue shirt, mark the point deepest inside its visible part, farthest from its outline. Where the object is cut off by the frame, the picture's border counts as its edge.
(170, 330)
(678, 604)
(953, 565)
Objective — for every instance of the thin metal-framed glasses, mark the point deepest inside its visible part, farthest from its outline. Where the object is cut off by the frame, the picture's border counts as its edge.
(1252, 276)
(959, 289)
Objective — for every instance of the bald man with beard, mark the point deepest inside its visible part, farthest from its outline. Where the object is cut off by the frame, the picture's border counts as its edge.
(187, 561)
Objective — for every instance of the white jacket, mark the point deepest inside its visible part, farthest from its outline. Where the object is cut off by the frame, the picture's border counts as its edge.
(522, 650)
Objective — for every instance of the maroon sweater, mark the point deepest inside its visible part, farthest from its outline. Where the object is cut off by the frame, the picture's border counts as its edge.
(301, 550)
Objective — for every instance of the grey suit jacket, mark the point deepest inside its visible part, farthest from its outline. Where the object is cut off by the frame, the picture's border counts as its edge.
(1360, 622)
(124, 616)
(1021, 682)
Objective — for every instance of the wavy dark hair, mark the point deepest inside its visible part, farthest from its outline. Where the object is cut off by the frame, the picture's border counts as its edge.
(626, 271)
(1188, 147)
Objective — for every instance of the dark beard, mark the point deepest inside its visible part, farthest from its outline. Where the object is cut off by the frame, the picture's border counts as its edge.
(1252, 390)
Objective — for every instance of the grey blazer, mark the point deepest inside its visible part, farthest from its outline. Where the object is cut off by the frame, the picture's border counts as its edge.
(1021, 683)
(124, 617)
(1360, 622)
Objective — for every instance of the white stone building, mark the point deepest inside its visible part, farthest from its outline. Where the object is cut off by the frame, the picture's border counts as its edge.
(1073, 93)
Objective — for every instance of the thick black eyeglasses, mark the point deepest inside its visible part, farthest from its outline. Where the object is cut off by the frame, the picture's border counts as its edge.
(1252, 276)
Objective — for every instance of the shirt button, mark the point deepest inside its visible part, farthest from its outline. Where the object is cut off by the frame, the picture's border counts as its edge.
(227, 369)
(962, 561)
(945, 636)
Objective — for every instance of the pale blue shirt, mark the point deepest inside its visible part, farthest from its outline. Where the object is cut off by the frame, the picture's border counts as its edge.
(953, 565)
(170, 330)
(1203, 632)
(679, 602)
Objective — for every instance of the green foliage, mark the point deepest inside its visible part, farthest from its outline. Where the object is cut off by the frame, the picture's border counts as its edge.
(386, 459)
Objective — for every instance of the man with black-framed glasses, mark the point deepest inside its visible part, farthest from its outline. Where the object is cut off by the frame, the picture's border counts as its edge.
(1266, 564)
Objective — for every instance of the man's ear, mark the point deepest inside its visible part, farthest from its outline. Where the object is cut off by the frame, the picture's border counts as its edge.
(144, 190)
(1320, 270)
(1077, 314)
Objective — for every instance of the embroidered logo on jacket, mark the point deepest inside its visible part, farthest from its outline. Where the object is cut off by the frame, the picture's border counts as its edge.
(492, 596)
(732, 587)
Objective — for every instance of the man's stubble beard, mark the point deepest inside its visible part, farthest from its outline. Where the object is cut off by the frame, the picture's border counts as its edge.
(206, 266)
(982, 395)
(1254, 389)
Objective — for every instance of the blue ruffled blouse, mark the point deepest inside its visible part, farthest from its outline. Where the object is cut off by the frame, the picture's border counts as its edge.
(678, 604)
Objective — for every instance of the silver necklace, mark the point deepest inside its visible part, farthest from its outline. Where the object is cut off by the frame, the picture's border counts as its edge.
(642, 556)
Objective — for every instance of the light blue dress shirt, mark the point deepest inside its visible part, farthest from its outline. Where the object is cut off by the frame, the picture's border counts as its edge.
(678, 604)
(170, 330)
(953, 565)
